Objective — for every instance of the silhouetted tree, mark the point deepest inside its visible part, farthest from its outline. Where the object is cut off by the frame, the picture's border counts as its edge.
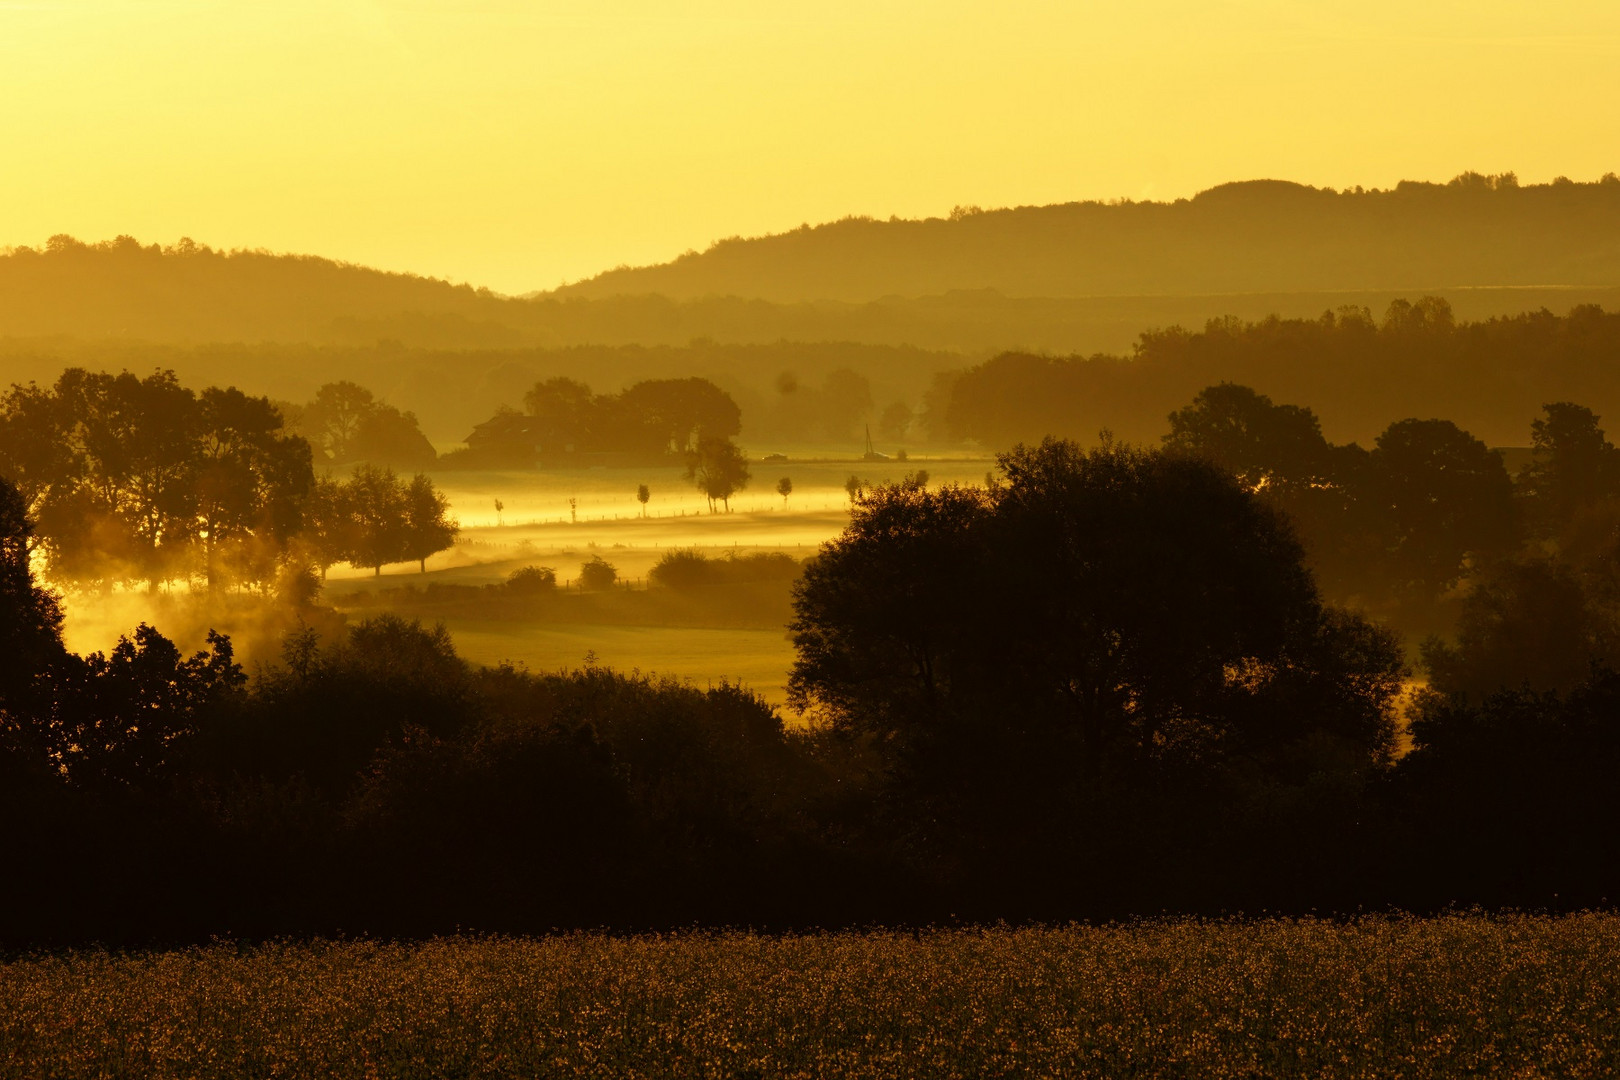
(1511, 800)
(564, 412)
(332, 421)
(1265, 446)
(120, 715)
(718, 468)
(137, 478)
(37, 453)
(784, 488)
(329, 533)
(1017, 651)
(1530, 624)
(323, 719)
(30, 621)
(643, 494)
(429, 528)
(1442, 501)
(252, 478)
(378, 510)
(390, 437)
(1575, 467)
(346, 423)
(678, 414)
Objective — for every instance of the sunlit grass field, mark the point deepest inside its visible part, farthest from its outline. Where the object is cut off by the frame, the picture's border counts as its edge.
(536, 526)
(1466, 995)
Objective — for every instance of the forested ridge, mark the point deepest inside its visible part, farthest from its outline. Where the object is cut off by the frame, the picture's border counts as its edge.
(1255, 236)
(1079, 276)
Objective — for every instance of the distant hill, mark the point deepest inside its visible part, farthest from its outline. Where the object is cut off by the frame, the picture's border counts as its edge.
(895, 302)
(192, 293)
(121, 291)
(1257, 236)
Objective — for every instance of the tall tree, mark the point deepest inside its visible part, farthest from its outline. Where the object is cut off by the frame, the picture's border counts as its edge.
(252, 480)
(332, 421)
(328, 535)
(38, 451)
(1442, 502)
(1265, 446)
(1575, 467)
(376, 502)
(718, 468)
(565, 413)
(30, 618)
(676, 414)
(429, 528)
(1091, 616)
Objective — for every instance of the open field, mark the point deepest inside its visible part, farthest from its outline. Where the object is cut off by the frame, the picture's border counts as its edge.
(1501, 996)
(537, 527)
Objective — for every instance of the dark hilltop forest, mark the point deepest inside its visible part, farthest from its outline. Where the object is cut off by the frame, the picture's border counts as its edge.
(1256, 236)
(1051, 277)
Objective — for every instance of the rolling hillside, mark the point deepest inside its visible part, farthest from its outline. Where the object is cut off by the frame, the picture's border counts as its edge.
(1256, 236)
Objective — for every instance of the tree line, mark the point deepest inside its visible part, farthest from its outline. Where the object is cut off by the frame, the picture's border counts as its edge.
(1358, 368)
(1103, 683)
(130, 479)
(563, 422)
(1414, 526)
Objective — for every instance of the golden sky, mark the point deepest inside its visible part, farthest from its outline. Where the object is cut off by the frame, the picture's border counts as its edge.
(519, 144)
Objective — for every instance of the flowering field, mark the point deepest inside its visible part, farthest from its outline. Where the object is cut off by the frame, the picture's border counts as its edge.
(1500, 996)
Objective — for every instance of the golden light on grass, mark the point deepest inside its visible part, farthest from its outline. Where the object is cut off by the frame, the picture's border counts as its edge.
(1461, 995)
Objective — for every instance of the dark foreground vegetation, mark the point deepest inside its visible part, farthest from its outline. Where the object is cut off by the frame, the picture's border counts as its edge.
(1104, 684)
(1455, 996)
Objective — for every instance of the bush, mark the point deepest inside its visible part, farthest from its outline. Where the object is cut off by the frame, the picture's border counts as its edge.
(532, 581)
(691, 569)
(597, 574)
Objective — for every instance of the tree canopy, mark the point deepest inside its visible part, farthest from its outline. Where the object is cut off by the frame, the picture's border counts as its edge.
(1090, 615)
(143, 478)
(562, 421)
(718, 468)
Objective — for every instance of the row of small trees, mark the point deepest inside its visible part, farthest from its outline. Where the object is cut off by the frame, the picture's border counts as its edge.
(562, 420)
(375, 518)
